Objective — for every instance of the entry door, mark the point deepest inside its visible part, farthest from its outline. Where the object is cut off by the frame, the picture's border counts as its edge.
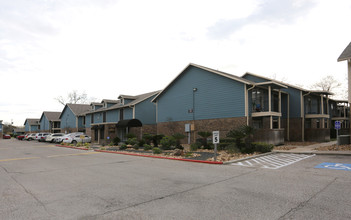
(96, 134)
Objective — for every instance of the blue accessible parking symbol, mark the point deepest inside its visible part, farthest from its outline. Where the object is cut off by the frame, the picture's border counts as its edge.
(335, 166)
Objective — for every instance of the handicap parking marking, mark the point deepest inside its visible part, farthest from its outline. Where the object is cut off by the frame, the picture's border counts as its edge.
(335, 166)
(273, 161)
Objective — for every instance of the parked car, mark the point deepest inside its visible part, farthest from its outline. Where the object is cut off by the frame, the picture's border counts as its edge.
(77, 138)
(60, 139)
(52, 137)
(29, 137)
(41, 136)
(6, 136)
(20, 137)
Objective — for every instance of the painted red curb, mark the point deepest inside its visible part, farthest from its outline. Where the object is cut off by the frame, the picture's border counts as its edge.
(152, 156)
(71, 147)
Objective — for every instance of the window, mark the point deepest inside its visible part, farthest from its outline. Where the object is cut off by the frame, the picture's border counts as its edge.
(92, 118)
(104, 117)
(308, 123)
(318, 123)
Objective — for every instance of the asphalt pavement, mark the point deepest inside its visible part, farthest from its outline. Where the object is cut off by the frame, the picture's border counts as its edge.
(41, 181)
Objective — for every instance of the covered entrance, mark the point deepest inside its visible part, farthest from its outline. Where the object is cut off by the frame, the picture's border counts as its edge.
(123, 127)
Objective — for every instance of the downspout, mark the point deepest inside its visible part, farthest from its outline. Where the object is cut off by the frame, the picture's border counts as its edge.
(303, 114)
(288, 125)
(247, 96)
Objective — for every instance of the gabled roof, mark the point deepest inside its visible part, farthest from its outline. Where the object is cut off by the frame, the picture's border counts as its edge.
(220, 73)
(110, 101)
(127, 97)
(32, 121)
(77, 109)
(346, 54)
(137, 99)
(273, 80)
(51, 116)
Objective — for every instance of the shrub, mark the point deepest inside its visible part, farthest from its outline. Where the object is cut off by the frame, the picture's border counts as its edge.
(147, 138)
(195, 146)
(87, 144)
(110, 144)
(262, 147)
(203, 140)
(147, 147)
(131, 135)
(156, 139)
(232, 149)
(123, 147)
(102, 148)
(132, 141)
(116, 140)
(167, 142)
(141, 142)
(177, 138)
(156, 150)
(188, 154)
(136, 147)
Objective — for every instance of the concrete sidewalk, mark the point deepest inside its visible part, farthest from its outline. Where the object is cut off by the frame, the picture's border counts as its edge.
(310, 149)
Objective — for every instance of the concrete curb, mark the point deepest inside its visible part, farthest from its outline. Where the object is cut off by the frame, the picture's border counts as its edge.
(247, 158)
(159, 157)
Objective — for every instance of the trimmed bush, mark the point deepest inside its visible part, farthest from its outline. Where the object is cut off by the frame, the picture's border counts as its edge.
(147, 138)
(123, 147)
(195, 146)
(131, 135)
(156, 150)
(156, 139)
(177, 138)
(141, 142)
(116, 140)
(132, 141)
(136, 147)
(167, 142)
(262, 147)
(232, 149)
(147, 147)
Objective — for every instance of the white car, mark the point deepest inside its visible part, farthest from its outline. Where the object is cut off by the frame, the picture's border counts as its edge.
(60, 139)
(40, 136)
(76, 138)
(29, 137)
(52, 137)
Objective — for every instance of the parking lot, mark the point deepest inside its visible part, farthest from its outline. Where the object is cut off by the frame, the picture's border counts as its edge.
(41, 181)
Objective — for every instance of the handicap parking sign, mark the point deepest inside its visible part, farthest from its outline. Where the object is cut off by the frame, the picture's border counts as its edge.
(335, 166)
(337, 125)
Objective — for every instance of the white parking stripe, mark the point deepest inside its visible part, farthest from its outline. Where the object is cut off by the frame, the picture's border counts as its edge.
(275, 161)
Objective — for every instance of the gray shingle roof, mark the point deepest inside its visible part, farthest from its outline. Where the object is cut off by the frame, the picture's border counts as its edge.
(52, 116)
(79, 109)
(346, 54)
(32, 121)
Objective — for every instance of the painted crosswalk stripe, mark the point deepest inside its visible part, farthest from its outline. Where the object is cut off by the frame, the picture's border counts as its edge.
(273, 161)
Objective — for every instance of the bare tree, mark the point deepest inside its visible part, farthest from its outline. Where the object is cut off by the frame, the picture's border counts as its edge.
(74, 98)
(328, 84)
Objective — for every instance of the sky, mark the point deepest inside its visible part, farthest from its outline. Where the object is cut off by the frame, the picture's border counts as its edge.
(105, 48)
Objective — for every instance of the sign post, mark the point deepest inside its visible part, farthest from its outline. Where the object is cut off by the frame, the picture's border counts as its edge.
(215, 140)
(82, 138)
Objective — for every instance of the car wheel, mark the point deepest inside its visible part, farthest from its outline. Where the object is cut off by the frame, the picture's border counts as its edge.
(74, 142)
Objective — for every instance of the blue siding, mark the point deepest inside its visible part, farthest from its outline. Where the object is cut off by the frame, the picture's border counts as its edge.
(44, 123)
(98, 117)
(26, 127)
(126, 101)
(88, 121)
(216, 97)
(110, 104)
(112, 115)
(80, 122)
(34, 128)
(128, 113)
(295, 102)
(145, 111)
(254, 78)
(68, 119)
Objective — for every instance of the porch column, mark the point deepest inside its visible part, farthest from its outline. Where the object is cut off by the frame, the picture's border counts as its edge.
(270, 106)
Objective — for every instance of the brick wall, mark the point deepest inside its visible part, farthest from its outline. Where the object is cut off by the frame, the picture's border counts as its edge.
(295, 129)
(223, 125)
